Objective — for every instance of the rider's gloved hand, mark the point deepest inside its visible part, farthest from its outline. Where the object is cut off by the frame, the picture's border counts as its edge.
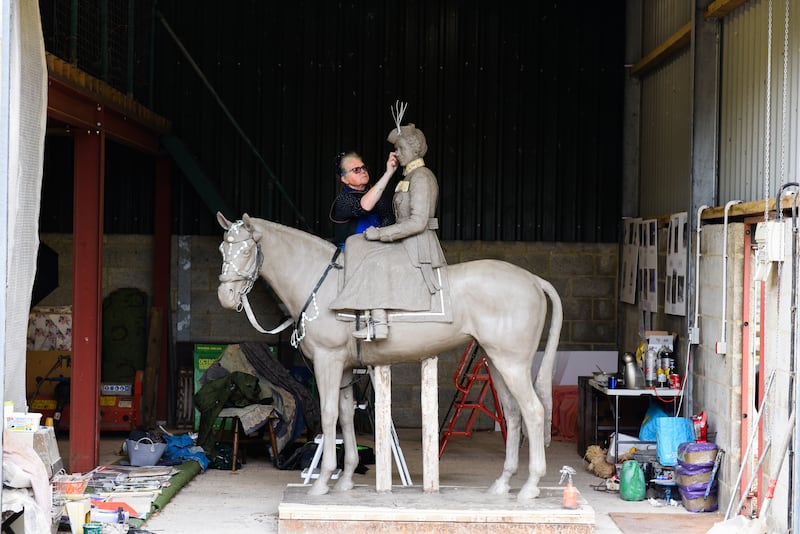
(372, 234)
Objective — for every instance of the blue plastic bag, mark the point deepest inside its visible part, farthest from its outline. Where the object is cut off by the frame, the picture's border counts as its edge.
(670, 433)
(647, 432)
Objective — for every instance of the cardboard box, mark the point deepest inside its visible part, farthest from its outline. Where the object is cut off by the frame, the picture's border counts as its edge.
(46, 446)
(657, 339)
(25, 422)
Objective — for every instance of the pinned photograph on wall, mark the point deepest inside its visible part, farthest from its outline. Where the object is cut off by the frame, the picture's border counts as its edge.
(648, 265)
(630, 261)
(675, 279)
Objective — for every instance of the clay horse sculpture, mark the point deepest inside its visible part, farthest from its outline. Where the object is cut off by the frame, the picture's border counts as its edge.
(501, 306)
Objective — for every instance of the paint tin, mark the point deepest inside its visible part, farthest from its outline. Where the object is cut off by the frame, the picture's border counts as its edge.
(612, 382)
(674, 381)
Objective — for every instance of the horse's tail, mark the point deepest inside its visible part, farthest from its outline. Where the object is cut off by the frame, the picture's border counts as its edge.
(544, 380)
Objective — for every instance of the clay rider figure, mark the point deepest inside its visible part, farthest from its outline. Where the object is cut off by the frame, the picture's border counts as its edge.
(392, 267)
(360, 205)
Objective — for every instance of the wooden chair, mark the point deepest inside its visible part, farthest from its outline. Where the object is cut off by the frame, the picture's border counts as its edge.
(233, 415)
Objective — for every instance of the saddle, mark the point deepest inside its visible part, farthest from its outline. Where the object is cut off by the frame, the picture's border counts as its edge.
(439, 311)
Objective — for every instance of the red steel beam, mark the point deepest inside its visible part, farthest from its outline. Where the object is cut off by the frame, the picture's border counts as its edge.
(98, 112)
(84, 110)
(87, 296)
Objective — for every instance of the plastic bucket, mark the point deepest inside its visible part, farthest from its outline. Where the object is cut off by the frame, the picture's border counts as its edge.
(144, 452)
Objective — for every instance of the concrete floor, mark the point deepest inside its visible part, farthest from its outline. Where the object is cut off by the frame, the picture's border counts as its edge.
(247, 501)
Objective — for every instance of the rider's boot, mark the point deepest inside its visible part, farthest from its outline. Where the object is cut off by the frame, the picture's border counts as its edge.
(376, 328)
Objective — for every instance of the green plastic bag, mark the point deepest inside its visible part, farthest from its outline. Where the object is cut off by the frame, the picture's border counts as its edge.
(631, 481)
(223, 457)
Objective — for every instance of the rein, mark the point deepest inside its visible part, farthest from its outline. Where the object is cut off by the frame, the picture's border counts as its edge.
(249, 279)
(300, 327)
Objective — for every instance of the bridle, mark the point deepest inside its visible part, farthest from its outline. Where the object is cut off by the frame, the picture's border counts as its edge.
(231, 273)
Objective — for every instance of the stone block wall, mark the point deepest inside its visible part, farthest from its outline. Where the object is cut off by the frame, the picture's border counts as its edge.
(585, 275)
(717, 378)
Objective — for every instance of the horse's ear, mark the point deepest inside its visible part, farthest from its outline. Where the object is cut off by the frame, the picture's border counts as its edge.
(223, 222)
(248, 223)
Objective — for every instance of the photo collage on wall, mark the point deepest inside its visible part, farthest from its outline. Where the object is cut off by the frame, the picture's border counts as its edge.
(648, 265)
(675, 277)
(639, 273)
(630, 261)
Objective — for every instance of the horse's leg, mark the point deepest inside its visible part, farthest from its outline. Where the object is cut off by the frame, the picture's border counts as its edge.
(521, 388)
(346, 414)
(513, 429)
(328, 374)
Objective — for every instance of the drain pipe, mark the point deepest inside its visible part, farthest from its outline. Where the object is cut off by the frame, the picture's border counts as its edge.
(793, 482)
(722, 344)
(694, 330)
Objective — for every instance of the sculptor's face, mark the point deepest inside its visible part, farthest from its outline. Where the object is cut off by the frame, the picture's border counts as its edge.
(404, 152)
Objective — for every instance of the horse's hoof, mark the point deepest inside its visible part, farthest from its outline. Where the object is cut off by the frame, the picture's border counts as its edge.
(344, 485)
(528, 493)
(318, 489)
(498, 488)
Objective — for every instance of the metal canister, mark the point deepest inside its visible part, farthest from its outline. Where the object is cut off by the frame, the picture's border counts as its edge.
(674, 381)
(612, 382)
(650, 367)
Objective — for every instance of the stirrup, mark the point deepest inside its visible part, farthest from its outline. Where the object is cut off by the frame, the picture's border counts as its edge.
(372, 331)
(363, 333)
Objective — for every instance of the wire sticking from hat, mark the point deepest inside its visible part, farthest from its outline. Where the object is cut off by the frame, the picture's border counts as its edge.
(398, 110)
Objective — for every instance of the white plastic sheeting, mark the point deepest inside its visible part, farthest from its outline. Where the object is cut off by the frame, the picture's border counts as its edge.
(27, 118)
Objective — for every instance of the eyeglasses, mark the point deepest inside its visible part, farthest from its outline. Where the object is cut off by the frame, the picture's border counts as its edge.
(356, 170)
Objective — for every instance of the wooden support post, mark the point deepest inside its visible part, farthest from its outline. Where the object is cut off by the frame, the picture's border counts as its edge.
(383, 422)
(429, 401)
(150, 382)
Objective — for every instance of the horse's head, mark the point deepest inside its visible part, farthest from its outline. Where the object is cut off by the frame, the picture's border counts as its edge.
(241, 261)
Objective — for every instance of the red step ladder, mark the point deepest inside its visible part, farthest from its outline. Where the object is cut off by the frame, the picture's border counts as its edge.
(472, 371)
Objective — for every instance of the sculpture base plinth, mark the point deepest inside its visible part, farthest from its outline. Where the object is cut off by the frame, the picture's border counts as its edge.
(408, 509)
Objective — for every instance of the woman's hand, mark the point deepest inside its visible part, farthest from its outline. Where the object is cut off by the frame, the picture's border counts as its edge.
(391, 163)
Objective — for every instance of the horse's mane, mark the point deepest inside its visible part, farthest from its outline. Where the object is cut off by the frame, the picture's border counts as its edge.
(294, 233)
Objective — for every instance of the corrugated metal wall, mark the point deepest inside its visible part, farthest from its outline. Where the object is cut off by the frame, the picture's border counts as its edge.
(521, 107)
(745, 76)
(661, 19)
(666, 114)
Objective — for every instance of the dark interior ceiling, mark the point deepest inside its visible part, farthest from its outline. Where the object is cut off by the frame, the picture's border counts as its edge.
(522, 107)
